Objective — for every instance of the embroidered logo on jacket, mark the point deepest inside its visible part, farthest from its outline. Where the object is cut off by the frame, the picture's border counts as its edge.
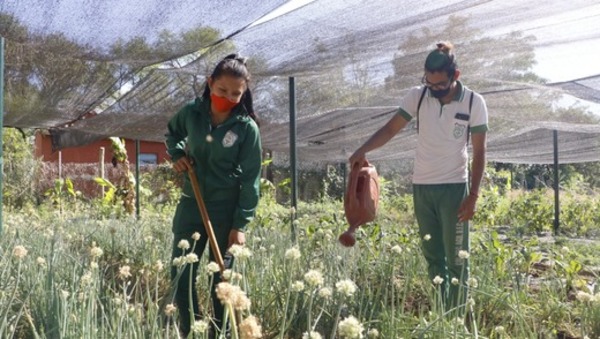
(229, 139)
(459, 130)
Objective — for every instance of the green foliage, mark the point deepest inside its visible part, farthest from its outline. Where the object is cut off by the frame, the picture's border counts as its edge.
(161, 185)
(63, 190)
(20, 167)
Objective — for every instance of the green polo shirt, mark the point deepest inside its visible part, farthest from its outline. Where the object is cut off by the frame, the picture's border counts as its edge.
(227, 158)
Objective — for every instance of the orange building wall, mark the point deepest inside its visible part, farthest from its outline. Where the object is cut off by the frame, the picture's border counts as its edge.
(91, 153)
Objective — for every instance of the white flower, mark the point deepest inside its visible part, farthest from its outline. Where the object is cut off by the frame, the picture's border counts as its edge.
(346, 287)
(583, 296)
(233, 295)
(463, 254)
(236, 250)
(158, 266)
(373, 333)
(212, 267)
(196, 236)
(184, 244)
(96, 252)
(472, 282)
(241, 302)
(438, 280)
(125, 272)
(427, 237)
(41, 261)
(179, 261)
(292, 254)
(350, 328)
(227, 274)
(499, 329)
(19, 252)
(250, 329)
(298, 286)
(311, 335)
(225, 292)
(454, 281)
(86, 279)
(191, 258)
(240, 252)
(313, 278)
(325, 293)
(565, 249)
(471, 302)
(170, 310)
(397, 249)
(200, 326)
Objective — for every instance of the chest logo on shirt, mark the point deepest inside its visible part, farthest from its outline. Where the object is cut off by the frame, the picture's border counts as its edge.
(229, 139)
(459, 130)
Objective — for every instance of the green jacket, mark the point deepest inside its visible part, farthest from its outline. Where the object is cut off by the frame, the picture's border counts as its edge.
(227, 158)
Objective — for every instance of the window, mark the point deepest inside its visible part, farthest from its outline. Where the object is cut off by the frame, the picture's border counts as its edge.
(148, 159)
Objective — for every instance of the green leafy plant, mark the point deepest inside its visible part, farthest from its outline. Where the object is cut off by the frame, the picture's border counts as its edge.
(62, 191)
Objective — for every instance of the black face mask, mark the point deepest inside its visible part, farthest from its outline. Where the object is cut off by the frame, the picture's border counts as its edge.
(440, 93)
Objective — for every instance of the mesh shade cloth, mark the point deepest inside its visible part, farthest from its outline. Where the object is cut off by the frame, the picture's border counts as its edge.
(91, 69)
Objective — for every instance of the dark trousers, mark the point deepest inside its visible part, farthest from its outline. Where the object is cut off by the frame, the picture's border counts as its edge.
(436, 209)
(186, 222)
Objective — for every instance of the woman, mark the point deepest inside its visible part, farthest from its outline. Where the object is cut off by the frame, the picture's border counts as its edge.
(216, 136)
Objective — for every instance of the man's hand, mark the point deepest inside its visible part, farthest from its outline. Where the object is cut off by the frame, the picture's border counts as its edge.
(357, 157)
(466, 211)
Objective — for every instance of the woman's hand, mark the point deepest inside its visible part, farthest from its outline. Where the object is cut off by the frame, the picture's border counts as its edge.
(182, 165)
(236, 237)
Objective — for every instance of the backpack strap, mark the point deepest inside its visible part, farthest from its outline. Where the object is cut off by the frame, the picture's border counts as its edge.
(419, 105)
(469, 125)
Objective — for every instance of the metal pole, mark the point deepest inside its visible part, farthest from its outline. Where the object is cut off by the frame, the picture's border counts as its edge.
(59, 165)
(101, 163)
(293, 166)
(137, 178)
(1, 129)
(556, 186)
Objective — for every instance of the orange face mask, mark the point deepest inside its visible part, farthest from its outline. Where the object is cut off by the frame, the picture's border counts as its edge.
(222, 104)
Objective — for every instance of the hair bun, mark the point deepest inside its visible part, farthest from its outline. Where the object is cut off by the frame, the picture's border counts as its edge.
(444, 47)
(236, 57)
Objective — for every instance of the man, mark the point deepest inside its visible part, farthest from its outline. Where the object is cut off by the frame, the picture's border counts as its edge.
(449, 116)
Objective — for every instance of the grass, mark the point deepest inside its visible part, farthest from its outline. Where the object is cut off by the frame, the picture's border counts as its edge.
(87, 277)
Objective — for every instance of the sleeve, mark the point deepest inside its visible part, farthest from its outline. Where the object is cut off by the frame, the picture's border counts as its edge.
(250, 158)
(408, 105)
(177, 134)
(479, 115)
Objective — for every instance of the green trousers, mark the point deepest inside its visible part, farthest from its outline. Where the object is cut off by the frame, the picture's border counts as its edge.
(443, 236)
(186, 222)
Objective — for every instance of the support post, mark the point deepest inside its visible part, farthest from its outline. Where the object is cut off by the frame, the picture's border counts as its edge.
(137, 178)
(59, 165)
(1, 130)
(101, 165)
(556, 185)
(293, 165)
